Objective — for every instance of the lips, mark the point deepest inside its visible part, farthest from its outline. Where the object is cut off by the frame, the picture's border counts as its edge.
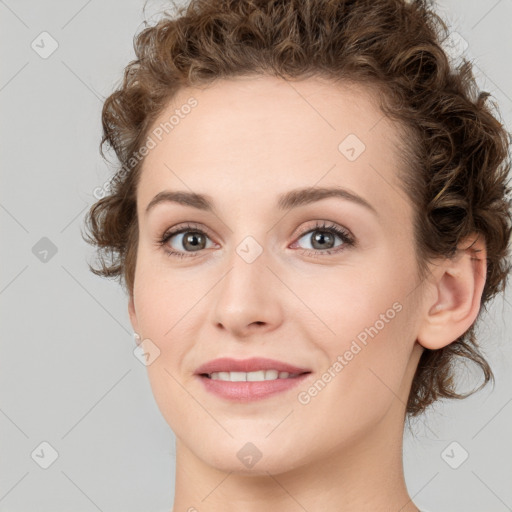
(226, 364)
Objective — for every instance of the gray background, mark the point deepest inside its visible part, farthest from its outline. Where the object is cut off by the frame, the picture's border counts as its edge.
(68, 375)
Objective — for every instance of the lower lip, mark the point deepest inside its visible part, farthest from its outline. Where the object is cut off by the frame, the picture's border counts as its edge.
(248, 391)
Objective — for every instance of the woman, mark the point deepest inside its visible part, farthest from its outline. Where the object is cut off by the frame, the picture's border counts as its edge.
(310, 214)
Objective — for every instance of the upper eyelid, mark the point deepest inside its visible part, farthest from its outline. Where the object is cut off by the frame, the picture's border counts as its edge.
(325, 224)
(188, 226)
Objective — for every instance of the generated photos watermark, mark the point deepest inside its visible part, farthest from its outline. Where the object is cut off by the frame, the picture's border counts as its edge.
(305, 397)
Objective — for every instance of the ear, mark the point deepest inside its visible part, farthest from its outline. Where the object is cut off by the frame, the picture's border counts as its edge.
(133, 315)
(454, 292)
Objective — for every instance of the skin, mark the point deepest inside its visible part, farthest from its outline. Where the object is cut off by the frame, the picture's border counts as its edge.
(246, 142)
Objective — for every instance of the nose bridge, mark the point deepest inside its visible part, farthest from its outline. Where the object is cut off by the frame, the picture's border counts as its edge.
(248, 293)
(249, 246)
(247, 270)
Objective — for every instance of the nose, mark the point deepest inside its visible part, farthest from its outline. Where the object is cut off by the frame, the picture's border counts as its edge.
(248, 299)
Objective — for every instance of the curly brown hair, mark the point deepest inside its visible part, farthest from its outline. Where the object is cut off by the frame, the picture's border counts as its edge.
(458, 150)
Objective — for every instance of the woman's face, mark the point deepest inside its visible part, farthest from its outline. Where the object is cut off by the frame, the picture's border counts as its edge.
(262, 275)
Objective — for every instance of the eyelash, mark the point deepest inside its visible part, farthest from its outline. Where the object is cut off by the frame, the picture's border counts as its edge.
(343, 234)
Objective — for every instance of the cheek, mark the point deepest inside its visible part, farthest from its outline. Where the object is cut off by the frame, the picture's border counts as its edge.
(162, 296)
(352, 303)
(159, 310)
(363, 328)
(362, 376)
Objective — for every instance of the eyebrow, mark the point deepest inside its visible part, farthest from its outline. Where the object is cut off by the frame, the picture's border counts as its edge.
(287, 201)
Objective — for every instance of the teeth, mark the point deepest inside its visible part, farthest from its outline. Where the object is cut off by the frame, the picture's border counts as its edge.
(251, 376)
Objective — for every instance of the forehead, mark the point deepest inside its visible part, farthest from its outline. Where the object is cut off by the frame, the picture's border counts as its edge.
(259, 136)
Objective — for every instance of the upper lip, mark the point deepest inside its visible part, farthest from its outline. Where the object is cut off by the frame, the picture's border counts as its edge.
(226, 364)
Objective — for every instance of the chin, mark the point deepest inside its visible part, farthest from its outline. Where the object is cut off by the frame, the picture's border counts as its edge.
(264, 466)
(252, 456)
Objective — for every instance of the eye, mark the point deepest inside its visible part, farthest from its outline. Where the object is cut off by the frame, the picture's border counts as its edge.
(321, 236)
(322, 239)
(188, 237)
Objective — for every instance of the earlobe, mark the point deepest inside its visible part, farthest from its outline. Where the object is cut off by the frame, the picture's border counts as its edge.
(457, 292)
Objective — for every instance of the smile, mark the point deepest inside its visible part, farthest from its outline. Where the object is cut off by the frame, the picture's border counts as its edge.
(257, 376)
